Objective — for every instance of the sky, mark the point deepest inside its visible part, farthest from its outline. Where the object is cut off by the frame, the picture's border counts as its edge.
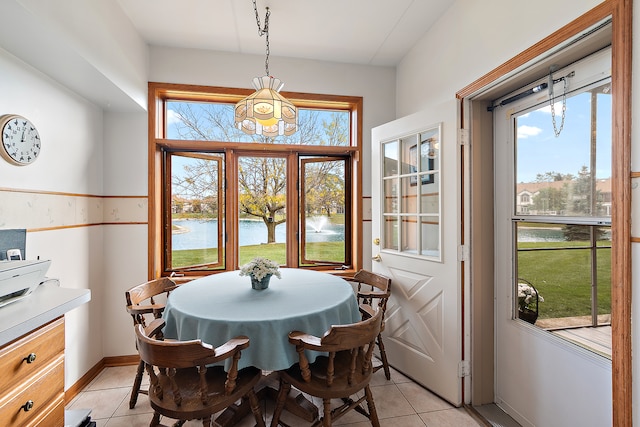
(540, 151)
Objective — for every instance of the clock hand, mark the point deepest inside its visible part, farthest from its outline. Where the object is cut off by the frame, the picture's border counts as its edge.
(22, 139)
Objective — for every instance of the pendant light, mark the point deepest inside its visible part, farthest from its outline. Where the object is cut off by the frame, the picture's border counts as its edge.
(266, 112)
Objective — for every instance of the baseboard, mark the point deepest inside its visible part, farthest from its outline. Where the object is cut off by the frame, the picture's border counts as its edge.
(134, 359)
(86, 379)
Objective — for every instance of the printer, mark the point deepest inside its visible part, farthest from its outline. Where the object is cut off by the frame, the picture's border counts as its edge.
(19, 278)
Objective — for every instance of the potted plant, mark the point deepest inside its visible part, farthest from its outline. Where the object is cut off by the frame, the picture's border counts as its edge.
(260, 270)
(528, 300)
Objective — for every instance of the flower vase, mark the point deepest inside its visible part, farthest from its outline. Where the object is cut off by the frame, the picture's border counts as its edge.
(528, 315)
(260, 284)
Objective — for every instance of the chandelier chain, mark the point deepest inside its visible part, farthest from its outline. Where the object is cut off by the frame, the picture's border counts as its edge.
(263, 31)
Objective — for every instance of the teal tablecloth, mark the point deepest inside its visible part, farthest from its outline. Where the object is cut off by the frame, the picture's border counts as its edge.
(221, 306)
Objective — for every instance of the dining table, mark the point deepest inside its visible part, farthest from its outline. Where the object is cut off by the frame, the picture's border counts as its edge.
(221, 306)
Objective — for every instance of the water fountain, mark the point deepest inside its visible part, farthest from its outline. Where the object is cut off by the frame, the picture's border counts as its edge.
(317, 223)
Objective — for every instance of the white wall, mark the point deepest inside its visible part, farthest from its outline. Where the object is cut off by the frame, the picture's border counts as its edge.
(70, 162)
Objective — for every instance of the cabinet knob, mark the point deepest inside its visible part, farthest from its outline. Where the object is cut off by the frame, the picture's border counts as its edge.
(27, 406)
(30, 358)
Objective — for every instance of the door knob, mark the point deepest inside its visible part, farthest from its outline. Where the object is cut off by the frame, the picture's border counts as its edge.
(376, 241)
(377, 258)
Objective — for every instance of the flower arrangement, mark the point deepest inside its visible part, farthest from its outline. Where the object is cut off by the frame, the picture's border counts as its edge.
(527, 296)
(260, 267)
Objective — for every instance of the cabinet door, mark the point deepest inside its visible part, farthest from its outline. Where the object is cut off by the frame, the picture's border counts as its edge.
(26, 356)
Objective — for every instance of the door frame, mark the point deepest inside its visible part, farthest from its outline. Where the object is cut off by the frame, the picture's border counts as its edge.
(481, 172)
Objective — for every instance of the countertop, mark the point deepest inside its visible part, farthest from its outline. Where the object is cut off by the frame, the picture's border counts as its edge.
(47, 302)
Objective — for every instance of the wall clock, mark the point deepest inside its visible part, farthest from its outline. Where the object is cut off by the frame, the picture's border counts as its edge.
(20, 140)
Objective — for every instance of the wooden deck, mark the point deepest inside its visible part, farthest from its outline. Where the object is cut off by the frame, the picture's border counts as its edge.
(578, 331)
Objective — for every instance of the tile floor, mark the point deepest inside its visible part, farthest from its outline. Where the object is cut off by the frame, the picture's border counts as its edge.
(400, 403)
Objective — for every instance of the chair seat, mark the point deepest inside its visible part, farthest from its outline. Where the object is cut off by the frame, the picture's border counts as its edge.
(317, 386)
(188, 380)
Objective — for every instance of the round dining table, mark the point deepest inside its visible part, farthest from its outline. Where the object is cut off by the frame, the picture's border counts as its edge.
(221, 306)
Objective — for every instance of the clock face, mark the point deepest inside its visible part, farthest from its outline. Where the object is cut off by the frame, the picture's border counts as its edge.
(20, 140)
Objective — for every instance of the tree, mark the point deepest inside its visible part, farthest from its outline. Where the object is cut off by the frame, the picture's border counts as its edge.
(553, 177)
(198, 183)
(573, 232)
(585, 198)
(585, 201)
(327, 194)
(263, 191)
(550, 199)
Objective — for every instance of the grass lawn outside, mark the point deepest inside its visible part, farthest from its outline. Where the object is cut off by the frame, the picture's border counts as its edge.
(563, 278)
(326, 251)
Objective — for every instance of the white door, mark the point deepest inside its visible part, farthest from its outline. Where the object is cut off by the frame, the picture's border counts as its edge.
(415, 243)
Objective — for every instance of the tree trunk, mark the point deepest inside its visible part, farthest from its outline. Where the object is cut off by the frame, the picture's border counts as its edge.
(271, 231)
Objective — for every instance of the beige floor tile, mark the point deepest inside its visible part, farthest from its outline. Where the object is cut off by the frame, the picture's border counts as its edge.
(458, 417)
(378, 379)
(142, 406)
(115, 377)
(421, 399)
(102, 403)
(390, 402)
(397, 377)
(400, 403)
(406, 421)
(138, 420)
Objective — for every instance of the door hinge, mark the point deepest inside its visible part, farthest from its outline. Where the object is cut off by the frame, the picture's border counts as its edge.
(464, 368)
(463, 253)
(463, 137)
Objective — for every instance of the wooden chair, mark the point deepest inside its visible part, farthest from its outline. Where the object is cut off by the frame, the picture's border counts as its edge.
(184, 388)
(346, 370)
(142, 304)
(375, 289)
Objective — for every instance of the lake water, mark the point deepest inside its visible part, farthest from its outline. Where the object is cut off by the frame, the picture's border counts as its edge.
(203, 234)
(530, 234)
(526, 234)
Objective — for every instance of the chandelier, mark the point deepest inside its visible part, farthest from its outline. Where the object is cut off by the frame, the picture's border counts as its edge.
(266, 112)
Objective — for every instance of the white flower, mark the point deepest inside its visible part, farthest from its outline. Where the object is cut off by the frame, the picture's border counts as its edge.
(527, 294)
(260, 267)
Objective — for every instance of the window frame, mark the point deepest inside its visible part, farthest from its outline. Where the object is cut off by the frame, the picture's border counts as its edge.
(160, 93)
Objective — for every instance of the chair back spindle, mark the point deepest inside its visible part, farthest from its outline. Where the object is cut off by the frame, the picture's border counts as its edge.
(188, 380)
(344, 371)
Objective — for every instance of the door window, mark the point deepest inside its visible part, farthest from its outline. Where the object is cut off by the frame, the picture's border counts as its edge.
(561, 208)
(411, 194)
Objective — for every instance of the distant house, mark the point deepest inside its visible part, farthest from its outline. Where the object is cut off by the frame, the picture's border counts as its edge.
(527, 192)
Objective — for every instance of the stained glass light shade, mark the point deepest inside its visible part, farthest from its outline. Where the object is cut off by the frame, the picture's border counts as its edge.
(266, 112)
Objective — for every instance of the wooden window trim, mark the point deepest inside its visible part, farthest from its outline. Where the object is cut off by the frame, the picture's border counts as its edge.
(158, 93)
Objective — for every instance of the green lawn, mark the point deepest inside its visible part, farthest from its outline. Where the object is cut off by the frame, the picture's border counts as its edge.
(563, 278)
(328, 251)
